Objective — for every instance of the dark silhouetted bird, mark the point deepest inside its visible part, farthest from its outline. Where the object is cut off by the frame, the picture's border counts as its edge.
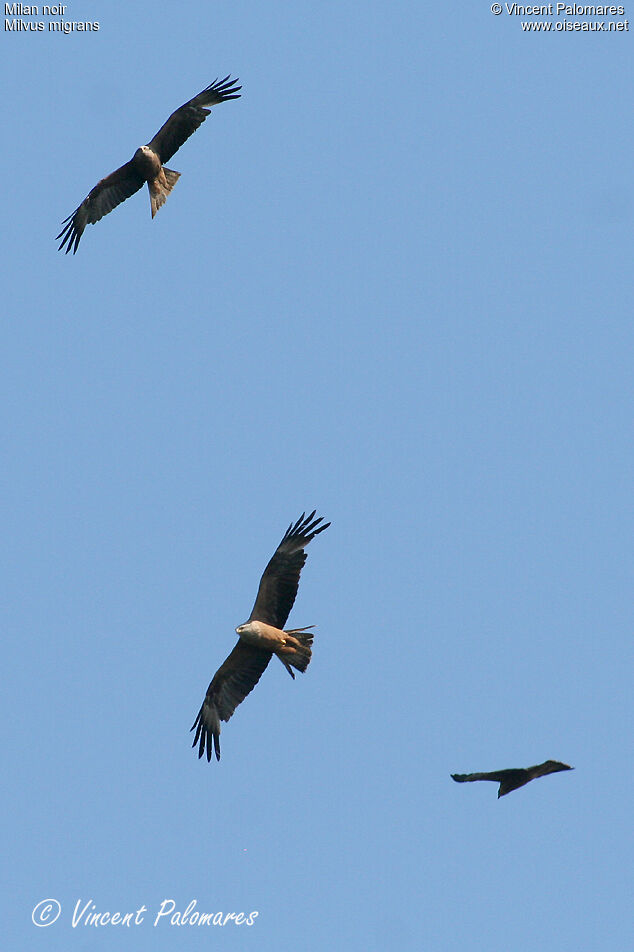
(514, 777)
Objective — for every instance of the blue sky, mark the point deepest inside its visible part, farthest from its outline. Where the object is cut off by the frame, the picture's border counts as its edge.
(394, 284)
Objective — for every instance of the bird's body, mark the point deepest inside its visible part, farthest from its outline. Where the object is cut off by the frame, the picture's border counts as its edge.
(147, 164)
(514, 777)
(262, 636)
(159, 178)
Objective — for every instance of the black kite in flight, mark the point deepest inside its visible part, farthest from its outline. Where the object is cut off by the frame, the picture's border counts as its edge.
(261, 636)
(514, 777)
(147, 164)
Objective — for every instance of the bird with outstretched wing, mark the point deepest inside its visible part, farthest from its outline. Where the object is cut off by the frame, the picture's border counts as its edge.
(262, 636)
(514, 777)
(147, 164)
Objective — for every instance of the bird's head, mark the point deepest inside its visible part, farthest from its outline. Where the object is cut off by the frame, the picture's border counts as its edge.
(249, 631)
(142, 152)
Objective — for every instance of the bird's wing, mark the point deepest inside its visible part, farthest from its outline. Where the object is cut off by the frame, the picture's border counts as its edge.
(231, 683)
(550, 766)
(465, 777)
(106, 195)
(280, 581)
(185, 120)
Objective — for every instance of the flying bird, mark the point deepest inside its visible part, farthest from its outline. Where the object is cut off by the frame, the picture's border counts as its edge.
(514, 777)
(147, 164)
(261, 636)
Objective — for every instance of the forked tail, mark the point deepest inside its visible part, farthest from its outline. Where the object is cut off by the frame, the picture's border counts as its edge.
(296, 653)
(160, 187)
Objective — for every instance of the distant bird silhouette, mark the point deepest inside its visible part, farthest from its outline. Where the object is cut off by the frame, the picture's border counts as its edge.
(514, 777)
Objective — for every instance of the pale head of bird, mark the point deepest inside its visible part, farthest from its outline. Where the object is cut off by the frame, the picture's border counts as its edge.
(146, 161)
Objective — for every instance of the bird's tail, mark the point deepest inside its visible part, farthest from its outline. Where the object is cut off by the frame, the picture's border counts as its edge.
(296, 653)
(160, 187)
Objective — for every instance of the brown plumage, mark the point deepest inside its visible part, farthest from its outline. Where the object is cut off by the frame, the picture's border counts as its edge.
(261, 636)
(147, 164)
(514, 777)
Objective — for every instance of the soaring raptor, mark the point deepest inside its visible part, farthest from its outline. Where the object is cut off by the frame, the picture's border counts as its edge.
(514, 777)
(147, 164)
(261, 636)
